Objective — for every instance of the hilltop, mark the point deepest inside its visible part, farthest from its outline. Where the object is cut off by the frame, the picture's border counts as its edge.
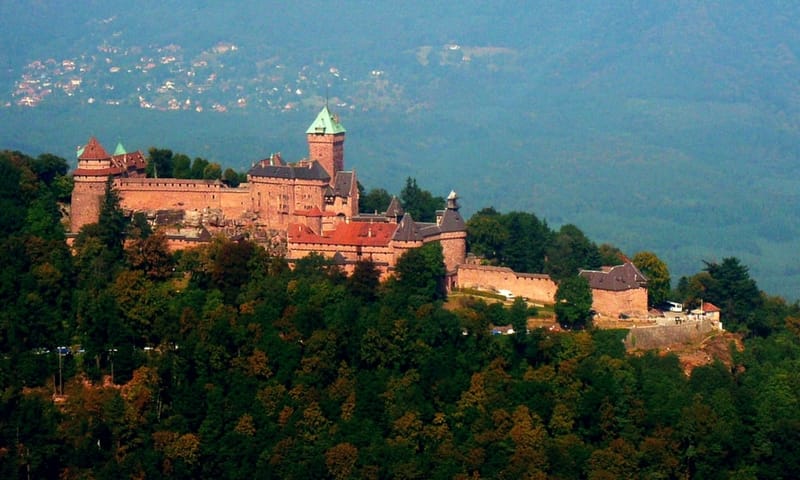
(672, 127)
(122, 359)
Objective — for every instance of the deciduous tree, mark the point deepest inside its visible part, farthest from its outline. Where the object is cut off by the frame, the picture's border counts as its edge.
(213, 171)
(376, 200)
(151, 256)
(574, 302)
(420, 274)
(159, 163)
(181, 166)
(657, 273)
(611, 255)
(11, 201)
(487, 235)
(364, 281)
(569, 252)
(230, 177)
(49, 167)
(198, 167)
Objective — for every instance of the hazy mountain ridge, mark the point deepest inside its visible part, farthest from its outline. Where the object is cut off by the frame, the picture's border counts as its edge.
(671, 127)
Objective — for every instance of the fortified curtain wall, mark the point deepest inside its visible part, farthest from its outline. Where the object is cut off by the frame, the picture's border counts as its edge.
(174, 194)
(533, 286)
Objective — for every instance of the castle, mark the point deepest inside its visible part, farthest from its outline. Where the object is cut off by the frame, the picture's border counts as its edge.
(311, 204)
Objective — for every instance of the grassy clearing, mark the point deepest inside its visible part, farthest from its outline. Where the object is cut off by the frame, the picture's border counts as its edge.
(459, 297)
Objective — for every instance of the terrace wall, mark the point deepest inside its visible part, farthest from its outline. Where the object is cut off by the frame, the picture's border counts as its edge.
(533, 286)
(648, 338)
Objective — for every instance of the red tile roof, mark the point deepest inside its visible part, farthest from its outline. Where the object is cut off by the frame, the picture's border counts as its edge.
(132, 160)
(313, 212)
(133, 164)
(354, 233)
(710, 307)
(93, 151)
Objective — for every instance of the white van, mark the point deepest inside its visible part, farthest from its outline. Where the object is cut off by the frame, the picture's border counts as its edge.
(507, 294)
(674, 306)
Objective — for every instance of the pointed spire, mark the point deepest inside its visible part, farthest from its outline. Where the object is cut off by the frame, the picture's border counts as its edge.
(325, 124)
(452, 201)
(120, 150)
(93, 151)
(394, 209)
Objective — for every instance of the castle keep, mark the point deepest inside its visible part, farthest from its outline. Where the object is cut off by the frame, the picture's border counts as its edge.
(312, 204)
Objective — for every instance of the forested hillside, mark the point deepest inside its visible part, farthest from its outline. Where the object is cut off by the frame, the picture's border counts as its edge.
(123, 360)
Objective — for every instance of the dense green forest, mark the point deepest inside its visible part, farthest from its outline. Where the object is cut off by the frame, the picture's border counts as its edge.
(672, 126)
(121, 360)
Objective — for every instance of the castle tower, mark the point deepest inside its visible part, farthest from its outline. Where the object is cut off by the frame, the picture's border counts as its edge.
(93, 156)
(326, 142)
(94, 167)
(453, 235)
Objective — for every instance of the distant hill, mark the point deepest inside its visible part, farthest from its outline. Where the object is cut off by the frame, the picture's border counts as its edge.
(666, 126)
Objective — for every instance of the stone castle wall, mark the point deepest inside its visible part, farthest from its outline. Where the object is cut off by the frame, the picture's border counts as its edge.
(175, 244)
(235, 202)
(274, 200)
(308, 195)
(168, 194)
(382, 256)
(534, 287)
(346, 207)
(328, 150)
(612, 303)
(143, 194)
(86, 199)
(454, 247)
(647, 338)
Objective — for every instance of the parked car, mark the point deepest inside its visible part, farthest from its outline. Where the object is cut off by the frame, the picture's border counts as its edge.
(507, 294)
(674, 306)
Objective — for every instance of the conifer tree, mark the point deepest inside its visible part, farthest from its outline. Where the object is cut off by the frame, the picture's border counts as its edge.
(111, 223)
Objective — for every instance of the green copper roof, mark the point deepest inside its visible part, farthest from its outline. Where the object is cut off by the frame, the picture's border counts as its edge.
(326, 123)
(120, 150)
